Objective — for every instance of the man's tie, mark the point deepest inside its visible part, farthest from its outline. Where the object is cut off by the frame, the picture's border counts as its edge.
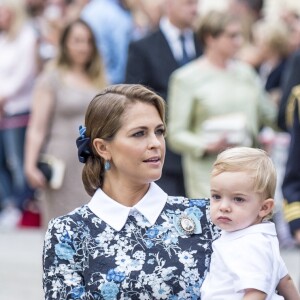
(185, 58)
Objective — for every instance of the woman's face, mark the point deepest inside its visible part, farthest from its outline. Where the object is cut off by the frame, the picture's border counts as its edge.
(6, 17)
(229, 41)
(137, 151)
(79, 44)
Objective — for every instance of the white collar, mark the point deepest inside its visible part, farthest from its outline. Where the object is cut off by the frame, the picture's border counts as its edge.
(266, 227)
(172, 34)
(116, 214)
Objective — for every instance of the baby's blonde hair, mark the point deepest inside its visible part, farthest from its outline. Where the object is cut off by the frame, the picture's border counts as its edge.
(255, 162)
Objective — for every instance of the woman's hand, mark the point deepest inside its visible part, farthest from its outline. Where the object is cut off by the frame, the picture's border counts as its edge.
(218, 146)
(35, 178)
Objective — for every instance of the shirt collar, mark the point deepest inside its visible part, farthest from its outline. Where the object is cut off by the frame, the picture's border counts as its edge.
(263, 228)
(116, 214)
(172, 32)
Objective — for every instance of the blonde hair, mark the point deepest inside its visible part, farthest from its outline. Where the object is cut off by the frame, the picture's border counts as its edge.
(275, 35)
(254, 161)
(103, 119)
(19, 15)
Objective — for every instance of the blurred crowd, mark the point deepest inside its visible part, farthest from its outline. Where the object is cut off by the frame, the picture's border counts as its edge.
(235, 64)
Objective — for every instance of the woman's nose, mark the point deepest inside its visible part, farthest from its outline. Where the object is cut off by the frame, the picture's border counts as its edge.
(154, 141)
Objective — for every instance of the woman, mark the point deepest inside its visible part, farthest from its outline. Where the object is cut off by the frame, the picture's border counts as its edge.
(60, 100)
(214, 102)
(132, 240)
(18, 70)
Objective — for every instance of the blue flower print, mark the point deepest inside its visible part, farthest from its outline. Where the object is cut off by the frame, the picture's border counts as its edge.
(65, 237)
(194, 210)
(139, 261)
(77, 292)
(64, 251)
(198, 202)
(152, 232)
(113, 275)
(149, 244)
(161, 291)
(109, 291)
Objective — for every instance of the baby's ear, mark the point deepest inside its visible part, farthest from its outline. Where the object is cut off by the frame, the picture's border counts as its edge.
(266, 207)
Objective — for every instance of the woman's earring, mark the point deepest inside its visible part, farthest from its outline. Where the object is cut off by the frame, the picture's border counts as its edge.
(107, 165)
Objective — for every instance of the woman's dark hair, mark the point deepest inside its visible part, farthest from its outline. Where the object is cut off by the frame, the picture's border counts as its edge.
(103, 119)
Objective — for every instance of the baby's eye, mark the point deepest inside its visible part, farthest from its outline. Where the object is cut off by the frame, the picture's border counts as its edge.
(239, 200)
(215, 197)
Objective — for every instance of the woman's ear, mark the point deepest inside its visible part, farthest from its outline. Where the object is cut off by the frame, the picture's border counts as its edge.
(101, 146)
(266, 208)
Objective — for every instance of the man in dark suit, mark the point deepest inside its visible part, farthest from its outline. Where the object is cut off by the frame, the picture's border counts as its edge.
(291, 78)
(291, 181)
(152, 60)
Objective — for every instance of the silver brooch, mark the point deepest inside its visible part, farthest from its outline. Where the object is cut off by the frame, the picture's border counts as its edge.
(187, 224)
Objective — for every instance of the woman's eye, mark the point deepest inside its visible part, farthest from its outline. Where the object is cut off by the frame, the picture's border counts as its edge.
(160, 131)
(139, 133)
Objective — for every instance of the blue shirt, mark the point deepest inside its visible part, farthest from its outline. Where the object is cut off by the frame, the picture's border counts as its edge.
(112, 26)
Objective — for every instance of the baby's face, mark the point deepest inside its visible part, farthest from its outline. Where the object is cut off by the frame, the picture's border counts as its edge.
(234, 204)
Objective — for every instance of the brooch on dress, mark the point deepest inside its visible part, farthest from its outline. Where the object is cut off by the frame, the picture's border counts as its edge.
(188, 222)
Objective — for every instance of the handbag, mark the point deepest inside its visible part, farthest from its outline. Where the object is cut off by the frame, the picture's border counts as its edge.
(232, 126)
(53, 169)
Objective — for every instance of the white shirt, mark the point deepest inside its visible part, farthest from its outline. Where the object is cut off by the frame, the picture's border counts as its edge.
(116, 214)
(247, 258)
(18, 69)
(172, 34)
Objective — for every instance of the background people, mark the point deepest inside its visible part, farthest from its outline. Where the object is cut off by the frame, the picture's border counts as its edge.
(18, 70)
(61, 95)
(151, 61)
(214, 89)
(131, 240)
(112, 24)
(291, 181)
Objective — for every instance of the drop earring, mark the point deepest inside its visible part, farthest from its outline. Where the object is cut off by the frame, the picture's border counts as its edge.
(107, 165)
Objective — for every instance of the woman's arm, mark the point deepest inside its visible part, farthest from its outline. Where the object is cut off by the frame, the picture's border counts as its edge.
(287, 288)
(42, 109)
(62, 274)
(181, 136)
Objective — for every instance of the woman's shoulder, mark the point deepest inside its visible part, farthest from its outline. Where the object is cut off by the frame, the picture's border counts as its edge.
(182, 205)
(201, 202)
(242, 68)
(49, 76)
(78, 215)
(187, 71)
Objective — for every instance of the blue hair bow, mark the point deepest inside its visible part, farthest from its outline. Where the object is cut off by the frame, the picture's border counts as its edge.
(83, 145)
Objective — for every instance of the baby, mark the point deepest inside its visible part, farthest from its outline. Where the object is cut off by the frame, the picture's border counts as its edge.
(246, 262)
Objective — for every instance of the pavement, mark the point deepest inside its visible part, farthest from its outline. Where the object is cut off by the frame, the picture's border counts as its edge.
(21, 264)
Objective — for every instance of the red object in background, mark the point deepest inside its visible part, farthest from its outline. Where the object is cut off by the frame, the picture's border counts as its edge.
(31, 216)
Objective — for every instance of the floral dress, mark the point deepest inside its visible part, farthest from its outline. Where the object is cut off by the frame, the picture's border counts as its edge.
(85, 258)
